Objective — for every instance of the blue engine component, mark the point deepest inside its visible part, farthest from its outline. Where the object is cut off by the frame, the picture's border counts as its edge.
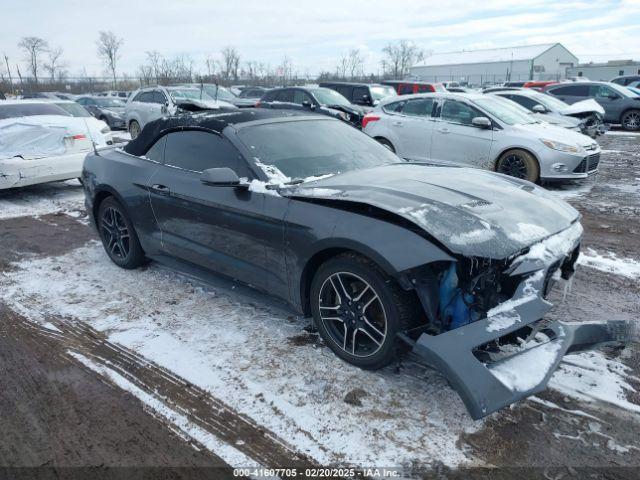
(454, 303)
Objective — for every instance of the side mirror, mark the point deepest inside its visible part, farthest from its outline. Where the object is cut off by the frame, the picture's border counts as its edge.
(220, 177)
(539, 108)
(306, 103)
(481, 122)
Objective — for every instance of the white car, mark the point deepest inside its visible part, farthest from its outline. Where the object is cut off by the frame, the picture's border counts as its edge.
(482, 131)
(148, 104)
(40, 143)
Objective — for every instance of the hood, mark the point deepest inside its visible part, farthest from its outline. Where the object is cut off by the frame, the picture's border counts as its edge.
(585, 106)
(192, 104)
(558, 120)
(556, 133)
(471, 212)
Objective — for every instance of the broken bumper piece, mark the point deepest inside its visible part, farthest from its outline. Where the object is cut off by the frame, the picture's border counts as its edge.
(487, 386)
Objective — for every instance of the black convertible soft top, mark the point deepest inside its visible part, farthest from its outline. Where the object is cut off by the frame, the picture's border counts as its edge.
(210, 120)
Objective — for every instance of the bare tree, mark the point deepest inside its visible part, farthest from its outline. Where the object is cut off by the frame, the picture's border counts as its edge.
(6, 61)
(34, 48)
(54, 63)
(343, 66)
(155, 60)
(356, 63)
(399, 57)
(109, 51)
(230, 63)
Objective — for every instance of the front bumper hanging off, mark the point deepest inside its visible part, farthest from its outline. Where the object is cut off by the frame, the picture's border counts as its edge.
(487, 386)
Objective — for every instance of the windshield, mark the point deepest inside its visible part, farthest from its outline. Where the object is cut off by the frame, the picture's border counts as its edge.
(189, 93)
(624, 91)
(223, 93)
(550, 102)
(506, 111)
(379, 92)
(326, 96)
(309, 148)
(634, 91)
(74, 109)
(109, 102)
(30, 109)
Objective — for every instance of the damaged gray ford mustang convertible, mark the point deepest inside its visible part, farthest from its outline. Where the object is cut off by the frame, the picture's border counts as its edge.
(452, 263)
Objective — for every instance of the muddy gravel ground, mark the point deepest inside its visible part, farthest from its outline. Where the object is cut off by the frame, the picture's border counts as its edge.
(84, 384)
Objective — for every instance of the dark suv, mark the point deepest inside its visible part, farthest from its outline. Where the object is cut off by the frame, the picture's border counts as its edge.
(620, 104)
(316, 99)
(363, 94)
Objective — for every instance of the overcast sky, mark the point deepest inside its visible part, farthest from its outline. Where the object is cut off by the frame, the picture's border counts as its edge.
(313, 34)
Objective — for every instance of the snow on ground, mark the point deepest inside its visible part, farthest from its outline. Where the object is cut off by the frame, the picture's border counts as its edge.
(571, 190)
(591, 376)
(610, 263)
(622, 132)
(186, 428)
(41, 199)
(248, 353)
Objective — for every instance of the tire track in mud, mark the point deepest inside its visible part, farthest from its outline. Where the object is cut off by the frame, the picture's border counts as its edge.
(200, 407)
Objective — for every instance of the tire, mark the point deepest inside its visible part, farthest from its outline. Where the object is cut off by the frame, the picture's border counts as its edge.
(118, 236)
(386, 307)
(134, 129)
(520, 164)
(386, 143)
(631, 120)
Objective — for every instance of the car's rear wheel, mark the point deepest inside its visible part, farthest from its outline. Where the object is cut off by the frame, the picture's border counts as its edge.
(118, 236)
(358, 310)
(520, 164)
(134, 129)
(631, 120)
(386, 143)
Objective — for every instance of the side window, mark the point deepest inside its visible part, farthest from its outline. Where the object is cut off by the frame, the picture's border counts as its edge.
(395, 107)
(359, 92)
(284, 96)
(425, 88)
(526, 102)
(198, 151)
(458, 112)
(421, 107)
(345, 91)
(82, 101)
(299, 96)
(601, 91)
(156, 152)
(159, 97)
(144, 97)
(572, 90)
(405, 89)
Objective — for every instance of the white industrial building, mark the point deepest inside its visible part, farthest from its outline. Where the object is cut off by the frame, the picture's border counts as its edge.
(605, 71)
(478, 67)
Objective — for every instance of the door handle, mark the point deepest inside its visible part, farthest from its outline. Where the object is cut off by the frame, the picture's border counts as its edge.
(161, 189)
(397, 124)
(444, 130)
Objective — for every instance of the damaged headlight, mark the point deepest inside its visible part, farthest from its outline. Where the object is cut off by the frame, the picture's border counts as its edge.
(562, 147)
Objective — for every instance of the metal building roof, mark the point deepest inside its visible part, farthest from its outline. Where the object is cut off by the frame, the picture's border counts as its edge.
(491, 55)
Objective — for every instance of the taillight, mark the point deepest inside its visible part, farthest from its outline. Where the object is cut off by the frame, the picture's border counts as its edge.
(369, 118)
(80, 136)
(258, 104)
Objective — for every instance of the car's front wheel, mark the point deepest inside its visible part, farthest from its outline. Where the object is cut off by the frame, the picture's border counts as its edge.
(520, 164)
(118, 236)
(358, 310)
(134, 129)
(631, 120)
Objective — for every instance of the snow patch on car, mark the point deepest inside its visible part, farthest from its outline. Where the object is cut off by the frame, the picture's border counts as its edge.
(524, 371)
(555, 246)
(528, 232)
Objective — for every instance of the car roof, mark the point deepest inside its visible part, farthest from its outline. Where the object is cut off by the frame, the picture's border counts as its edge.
(208, 120)
(34, 101)
(354, 84)
(451, 95)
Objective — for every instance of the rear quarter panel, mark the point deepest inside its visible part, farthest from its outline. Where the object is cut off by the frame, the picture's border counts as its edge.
(115, 172)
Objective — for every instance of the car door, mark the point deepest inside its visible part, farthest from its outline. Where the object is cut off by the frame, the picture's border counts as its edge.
(413, 127)
(611, 101)
(156, 105)
(141, 106)
(456, 139)
(221, 228)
